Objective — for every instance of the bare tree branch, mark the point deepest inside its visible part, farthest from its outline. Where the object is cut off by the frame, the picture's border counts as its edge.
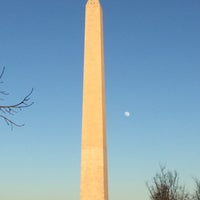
(22, 104)
(2, 72)
(10, 122)
(197, 190)
(13, 108)
(166, 186)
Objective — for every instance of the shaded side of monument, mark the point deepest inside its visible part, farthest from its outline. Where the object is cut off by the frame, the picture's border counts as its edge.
(94, 178)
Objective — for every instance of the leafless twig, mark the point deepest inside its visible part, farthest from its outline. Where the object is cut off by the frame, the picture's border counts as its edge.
(13, 108)
(166, 186)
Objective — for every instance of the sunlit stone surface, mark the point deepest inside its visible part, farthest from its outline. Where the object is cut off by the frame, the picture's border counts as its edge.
(94, 183)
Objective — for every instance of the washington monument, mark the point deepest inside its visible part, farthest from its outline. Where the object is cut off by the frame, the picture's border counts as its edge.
(94, 178)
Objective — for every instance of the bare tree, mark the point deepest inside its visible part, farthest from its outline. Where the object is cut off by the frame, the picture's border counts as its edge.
(197, 190)
(166, 186)
(6, 111)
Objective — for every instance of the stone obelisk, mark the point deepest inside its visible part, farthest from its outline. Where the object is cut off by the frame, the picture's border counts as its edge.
(94, 178)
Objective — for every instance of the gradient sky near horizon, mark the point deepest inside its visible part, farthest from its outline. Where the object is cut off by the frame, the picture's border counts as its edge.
(152, 70)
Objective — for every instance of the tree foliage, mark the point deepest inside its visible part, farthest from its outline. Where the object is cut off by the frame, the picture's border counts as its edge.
(7, 111)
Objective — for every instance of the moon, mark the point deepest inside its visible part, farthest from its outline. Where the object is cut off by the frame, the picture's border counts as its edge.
(127, 114)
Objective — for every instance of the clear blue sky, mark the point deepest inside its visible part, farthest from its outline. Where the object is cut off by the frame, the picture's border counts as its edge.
(152, 65)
